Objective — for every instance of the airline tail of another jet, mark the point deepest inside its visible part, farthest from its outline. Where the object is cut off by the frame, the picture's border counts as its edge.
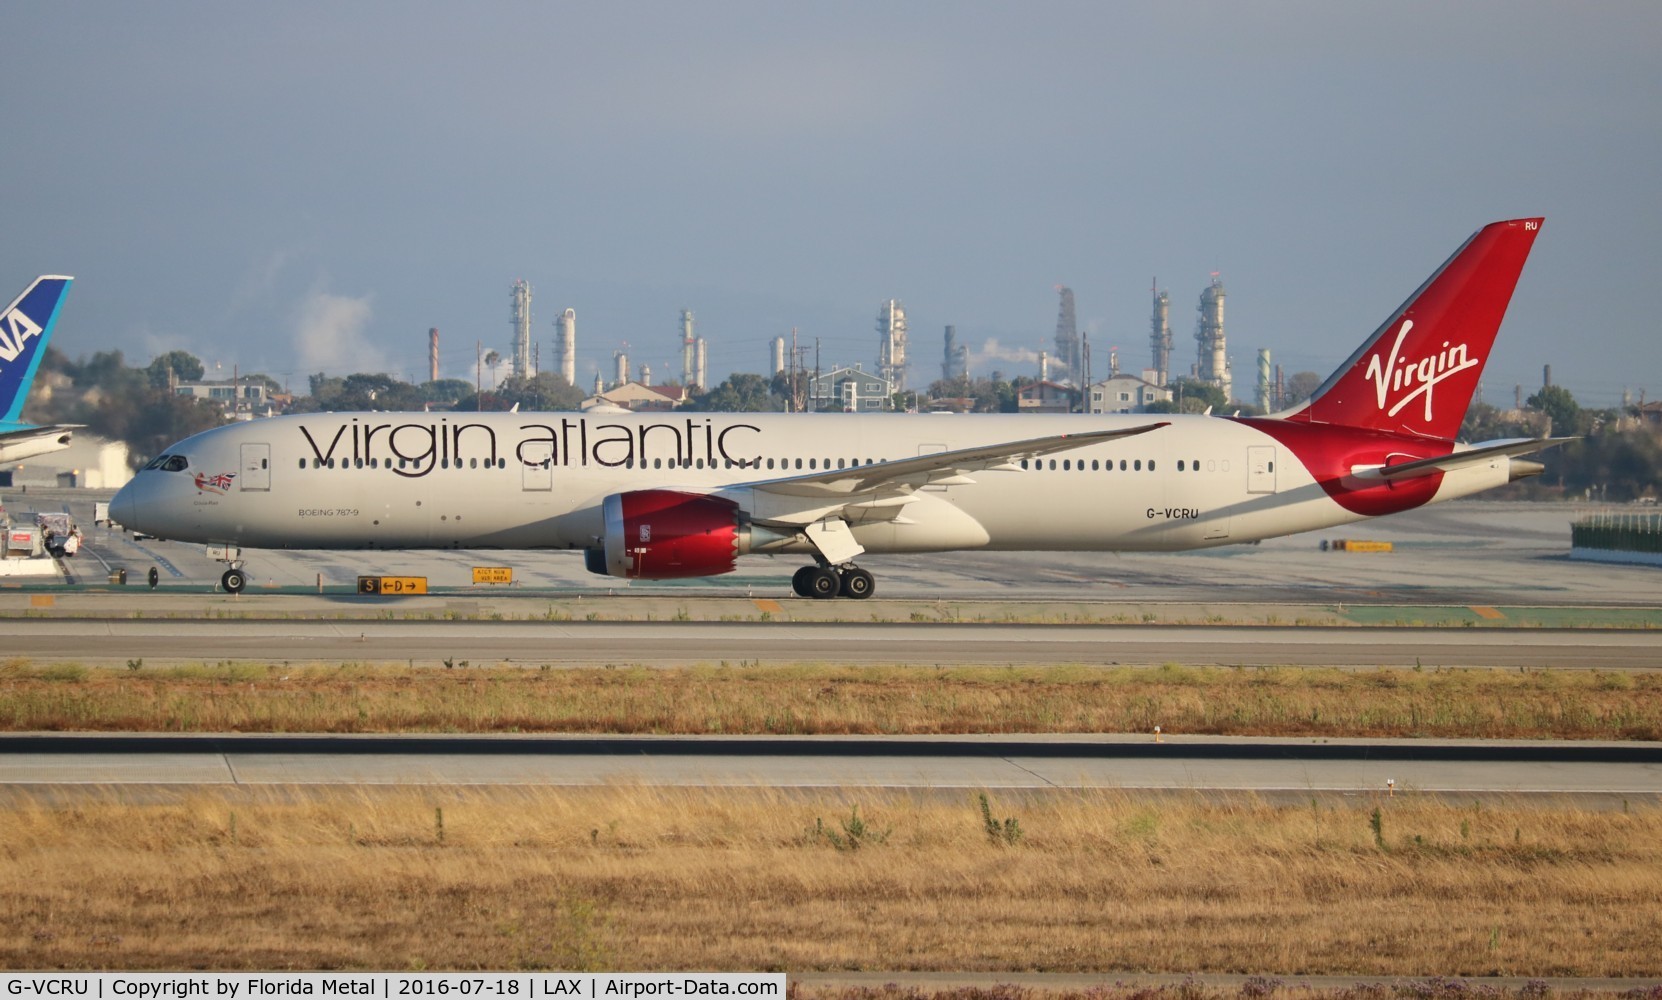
(1418, 373)
(25, 327)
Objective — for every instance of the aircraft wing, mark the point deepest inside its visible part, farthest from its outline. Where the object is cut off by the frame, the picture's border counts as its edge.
(1458, 459)
(865, 489)
(18, 442)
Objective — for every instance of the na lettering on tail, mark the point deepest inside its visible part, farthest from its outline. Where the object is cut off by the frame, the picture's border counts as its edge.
(25, 327)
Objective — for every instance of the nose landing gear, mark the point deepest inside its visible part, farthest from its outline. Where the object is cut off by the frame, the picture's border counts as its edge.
(234, 579)
(825, 582)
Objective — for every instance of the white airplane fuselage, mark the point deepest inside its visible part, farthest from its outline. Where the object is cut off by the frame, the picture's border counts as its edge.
(539, 480)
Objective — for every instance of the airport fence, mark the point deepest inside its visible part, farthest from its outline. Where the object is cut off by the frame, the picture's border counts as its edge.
(1618, 532)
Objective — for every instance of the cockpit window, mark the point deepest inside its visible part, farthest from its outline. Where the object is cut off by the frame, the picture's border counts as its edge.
(169, 463)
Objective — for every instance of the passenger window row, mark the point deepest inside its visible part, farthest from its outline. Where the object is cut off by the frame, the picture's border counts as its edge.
(175, 463)
(402, 463)
(1096, 465)
(810, 464)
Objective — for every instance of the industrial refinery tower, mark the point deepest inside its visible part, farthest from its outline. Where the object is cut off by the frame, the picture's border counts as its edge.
(955, 364)
(520, 304)
(693, 358)
(1159, 337)
(1213, 365)
(1067, 362)
(891, 344)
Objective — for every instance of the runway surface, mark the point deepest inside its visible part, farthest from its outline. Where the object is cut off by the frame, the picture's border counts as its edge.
(666, 643)
(1631, 771)
(1462, 553)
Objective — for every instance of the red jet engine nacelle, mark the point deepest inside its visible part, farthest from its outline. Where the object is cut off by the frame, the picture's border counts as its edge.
(668, 534)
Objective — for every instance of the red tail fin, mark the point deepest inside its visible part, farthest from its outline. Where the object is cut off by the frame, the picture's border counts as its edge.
(1417, 373)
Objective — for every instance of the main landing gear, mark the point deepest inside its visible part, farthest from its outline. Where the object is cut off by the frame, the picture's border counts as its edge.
(234, 580)
(826, 582)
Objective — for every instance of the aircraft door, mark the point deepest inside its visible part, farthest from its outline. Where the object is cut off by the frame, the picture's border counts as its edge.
(1261, 468)
(256, 468)
(537, 470)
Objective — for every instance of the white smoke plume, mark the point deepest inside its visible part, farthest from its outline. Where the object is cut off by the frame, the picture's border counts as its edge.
(992, 353)
(329, 334)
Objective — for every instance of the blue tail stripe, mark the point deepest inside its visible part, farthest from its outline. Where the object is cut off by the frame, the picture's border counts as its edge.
(17, 333)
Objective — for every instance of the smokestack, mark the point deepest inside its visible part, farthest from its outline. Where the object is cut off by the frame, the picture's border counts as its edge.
(699, 372)
(1546, 376)
(567, 324)
(433, 354)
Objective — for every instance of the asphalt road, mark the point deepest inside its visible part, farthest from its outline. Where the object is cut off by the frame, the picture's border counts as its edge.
(669, 643)
(1595, 772)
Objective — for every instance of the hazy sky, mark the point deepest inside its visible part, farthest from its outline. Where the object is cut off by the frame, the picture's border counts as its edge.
(294, 187)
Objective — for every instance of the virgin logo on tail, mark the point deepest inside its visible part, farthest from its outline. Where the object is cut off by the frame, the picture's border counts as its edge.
(1419, 377)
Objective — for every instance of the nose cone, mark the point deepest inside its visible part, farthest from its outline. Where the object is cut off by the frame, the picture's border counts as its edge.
(123, 506)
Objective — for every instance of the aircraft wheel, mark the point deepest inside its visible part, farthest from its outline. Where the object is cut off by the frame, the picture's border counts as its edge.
(857, 583)
(822, 583)
(233, 581)
(799, 582)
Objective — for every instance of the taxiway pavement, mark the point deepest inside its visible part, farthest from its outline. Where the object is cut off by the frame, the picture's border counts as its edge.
(1270, 767)
(529, 643)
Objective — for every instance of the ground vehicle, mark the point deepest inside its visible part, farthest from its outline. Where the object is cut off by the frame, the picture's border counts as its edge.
(59, 533)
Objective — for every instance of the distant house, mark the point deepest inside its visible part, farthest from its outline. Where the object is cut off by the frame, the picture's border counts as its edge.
(1125, 394)
(1047, 397)
(851, 390)
(638, 397)
(235, 396)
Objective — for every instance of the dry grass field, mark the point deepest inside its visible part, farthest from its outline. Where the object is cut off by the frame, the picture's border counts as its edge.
(638, 878)
(834, 700)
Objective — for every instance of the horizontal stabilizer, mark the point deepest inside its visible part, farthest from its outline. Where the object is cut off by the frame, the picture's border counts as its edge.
(1457, 460)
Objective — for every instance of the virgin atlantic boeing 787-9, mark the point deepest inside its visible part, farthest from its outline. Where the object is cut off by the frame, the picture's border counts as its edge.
(656, 496)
